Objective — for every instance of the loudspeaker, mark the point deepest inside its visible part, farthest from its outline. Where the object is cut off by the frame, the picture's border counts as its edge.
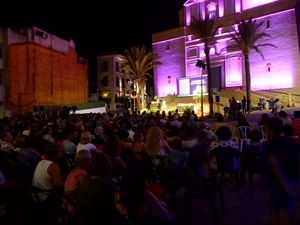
(296, 114)
(217, 98)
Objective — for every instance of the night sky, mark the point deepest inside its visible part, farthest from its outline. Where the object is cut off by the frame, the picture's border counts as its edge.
(97, 26)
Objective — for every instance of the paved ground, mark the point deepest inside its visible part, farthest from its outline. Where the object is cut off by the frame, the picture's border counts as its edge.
(242, 208)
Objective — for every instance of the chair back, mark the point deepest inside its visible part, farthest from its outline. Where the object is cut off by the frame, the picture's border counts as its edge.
(244, 131)
(225, 157)
(263, 132)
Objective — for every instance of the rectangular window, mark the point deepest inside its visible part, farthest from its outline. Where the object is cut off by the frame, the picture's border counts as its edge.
(104, 82)
(268, 23)
(117, 67)
(117, 82)
(104, 66)
(193, 52)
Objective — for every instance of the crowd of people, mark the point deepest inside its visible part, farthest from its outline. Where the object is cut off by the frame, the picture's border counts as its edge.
(108, 165)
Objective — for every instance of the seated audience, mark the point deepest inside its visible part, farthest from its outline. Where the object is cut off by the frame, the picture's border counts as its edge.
(136, 203)
(97, 193)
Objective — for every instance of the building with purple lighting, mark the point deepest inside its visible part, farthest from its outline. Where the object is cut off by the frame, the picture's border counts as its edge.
(179, 49)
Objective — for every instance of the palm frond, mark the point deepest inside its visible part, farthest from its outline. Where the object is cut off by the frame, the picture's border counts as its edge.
(204, 28)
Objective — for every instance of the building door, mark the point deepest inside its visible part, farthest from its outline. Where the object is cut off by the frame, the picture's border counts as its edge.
(216, 77)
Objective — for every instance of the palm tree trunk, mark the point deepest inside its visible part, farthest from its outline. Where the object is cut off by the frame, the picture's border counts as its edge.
(143, 94)
(209, 81)
(248, 81)
(138, 94)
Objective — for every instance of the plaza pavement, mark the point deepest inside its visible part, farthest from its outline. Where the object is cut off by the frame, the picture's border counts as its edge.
(242, 208)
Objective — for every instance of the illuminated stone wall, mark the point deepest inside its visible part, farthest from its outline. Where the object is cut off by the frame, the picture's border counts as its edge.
(280, 68)
(42, 76)
(173, 66)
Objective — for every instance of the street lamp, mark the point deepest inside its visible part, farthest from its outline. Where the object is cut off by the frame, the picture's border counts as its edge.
(201, 65)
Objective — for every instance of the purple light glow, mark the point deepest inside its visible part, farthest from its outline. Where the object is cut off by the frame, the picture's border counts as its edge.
(273, 80)
(250, 4)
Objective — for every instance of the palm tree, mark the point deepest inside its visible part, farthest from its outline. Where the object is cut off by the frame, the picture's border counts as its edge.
(247, 37)
(204, 28)
(138, 62)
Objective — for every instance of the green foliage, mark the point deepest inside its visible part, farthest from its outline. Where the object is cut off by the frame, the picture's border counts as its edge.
(248, 37)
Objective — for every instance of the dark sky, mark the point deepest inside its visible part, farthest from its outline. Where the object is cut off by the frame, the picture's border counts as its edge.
(97, 26)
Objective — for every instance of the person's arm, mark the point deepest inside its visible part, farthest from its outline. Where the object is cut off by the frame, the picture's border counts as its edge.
(166, 146)
(279, 174)
(158, 207)
(53, 170)
(120, 162)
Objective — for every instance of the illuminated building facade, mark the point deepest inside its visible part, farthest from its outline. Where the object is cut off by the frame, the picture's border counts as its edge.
(114, 86)
(39, 69)
(180, 50)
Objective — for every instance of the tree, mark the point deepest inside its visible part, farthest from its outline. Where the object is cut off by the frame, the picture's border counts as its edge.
(204, 29)
(138, 62)
(247, 37)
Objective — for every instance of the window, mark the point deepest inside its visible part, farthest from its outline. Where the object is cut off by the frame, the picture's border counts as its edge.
(104, 66)
(268, 23)
(268, 67)
(117, 81)
(212, 9)
(117, 67)
(193, 52)
(123, 83)
(104, 82)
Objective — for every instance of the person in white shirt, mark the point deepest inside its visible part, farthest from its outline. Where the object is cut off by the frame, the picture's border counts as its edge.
(284, 117)
(176, 122)
(85, 142)
(277, 107)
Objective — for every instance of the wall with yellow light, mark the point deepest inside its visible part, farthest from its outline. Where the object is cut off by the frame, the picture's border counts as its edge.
(41, 76)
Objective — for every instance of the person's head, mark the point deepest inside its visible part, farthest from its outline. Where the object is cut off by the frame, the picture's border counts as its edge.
(277, 100)
(176, 143)
(111, 147)
(203, 125)
(274, 126)
(224, 133)
(220, 118)
(153, 139)
(288, 130)
(85, 137)
(264, 117)
(6, 136)
(122, 134)
(83, 159)
(20, 140)
(282, 114)
(73, 136)
(242, 120)
(139, 136)
(255, 135)
(100, 165)
(202, 135)
(52, 152)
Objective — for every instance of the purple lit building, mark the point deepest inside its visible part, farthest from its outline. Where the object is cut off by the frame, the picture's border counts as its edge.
(278, 72)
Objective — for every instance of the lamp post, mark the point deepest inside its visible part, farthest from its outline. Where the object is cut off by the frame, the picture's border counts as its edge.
(201, 65)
